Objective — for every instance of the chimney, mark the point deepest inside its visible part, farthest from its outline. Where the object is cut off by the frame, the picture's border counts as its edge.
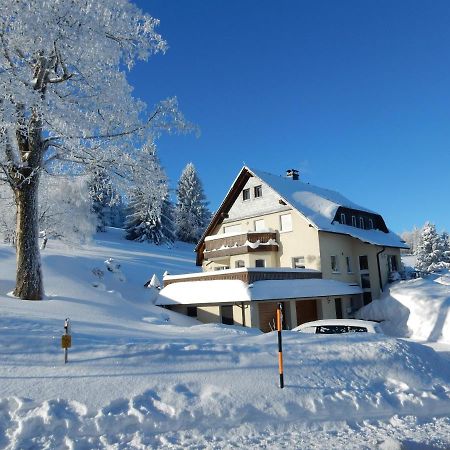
(292, 174)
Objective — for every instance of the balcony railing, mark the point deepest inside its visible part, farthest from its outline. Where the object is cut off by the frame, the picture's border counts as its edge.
(217, 247)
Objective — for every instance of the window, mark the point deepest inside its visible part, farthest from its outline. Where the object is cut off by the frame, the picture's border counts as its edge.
(392, 263)
(370, 224)
(338, 305)
(361, 222)
(238, 264)
(259, 225)
(226, 311)
(353, 221)
(260, 263)
(286, 222)
(258, 191)
(348, 263)
(365, 281)
(298, 262)
(334, 264)
(363, 263)
(232, 229)
(343, 220)
(192, 311)
(246, 194)
(367, 298)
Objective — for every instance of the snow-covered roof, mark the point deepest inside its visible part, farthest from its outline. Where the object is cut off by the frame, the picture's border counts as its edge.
(238, 270)
(234, 291)
(320, 205)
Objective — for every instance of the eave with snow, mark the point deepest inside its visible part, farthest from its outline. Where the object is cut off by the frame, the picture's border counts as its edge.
(280, 223)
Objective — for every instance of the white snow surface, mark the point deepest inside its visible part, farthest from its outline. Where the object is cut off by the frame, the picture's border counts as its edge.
(319, 206)
(223, 291)
(418, 308)
(142, 377)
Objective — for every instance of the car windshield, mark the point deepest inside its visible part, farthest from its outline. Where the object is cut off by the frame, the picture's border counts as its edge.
(332, 329)
(338, 329)
(353, 329)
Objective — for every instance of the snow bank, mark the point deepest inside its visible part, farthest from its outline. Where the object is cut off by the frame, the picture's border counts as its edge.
(418, 308)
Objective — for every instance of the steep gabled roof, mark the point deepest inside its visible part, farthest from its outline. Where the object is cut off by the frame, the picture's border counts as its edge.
(318, 205)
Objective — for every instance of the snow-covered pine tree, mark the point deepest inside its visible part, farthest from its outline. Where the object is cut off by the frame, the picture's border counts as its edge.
(102, 197)
(430, 250)
(150, 216)
(191, 213)
(445, 239)
(66, 101)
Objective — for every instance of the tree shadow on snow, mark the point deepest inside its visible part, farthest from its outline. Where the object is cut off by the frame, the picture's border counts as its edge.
(443, 313)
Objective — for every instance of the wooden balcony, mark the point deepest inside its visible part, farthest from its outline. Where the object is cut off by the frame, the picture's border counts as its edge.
(239, 244)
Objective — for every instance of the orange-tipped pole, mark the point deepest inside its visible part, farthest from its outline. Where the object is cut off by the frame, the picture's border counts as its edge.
(280, 346)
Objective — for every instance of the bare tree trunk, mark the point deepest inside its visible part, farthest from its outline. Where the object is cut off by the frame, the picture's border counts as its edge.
(29, 284)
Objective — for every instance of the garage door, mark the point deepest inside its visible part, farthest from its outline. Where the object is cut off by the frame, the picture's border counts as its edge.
(306, 311)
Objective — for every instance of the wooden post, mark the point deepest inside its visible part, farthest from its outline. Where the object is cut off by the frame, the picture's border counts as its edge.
(66, 340)
(280, 346)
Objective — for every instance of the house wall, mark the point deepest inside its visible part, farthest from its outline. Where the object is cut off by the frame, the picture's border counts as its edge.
(332, 244)
(209, 314)
(237, 315)
(267, 203)
(302, 240)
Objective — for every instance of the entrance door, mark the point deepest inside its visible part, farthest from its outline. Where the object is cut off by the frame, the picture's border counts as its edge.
(226, 311)
(268, 316)
(306, 311)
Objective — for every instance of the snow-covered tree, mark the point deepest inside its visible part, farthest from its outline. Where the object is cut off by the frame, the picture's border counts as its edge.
(65, 102)
(150, 215)
(65, 211)
(430, 250)
(102, 196)
(445, 239)
(191, 214)
(412, 239)
(7, 215)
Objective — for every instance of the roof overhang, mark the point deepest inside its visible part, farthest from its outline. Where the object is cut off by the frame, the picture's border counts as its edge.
(213, 292)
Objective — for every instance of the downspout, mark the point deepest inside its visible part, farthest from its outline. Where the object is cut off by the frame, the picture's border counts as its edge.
(379, 268)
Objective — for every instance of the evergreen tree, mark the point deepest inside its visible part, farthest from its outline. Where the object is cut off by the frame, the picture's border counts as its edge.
(430, 250)
(192, 214)
(102, 197)
(150, 216)
(446, 247)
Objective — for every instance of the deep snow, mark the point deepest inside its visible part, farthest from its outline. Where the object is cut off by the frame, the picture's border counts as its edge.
(141, 377)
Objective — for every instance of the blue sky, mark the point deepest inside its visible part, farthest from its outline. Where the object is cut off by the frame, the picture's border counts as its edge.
(354, 94)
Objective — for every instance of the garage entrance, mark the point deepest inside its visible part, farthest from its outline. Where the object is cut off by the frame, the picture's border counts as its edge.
(306, 311)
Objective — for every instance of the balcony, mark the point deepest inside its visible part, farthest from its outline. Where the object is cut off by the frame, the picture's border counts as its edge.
(220, 246)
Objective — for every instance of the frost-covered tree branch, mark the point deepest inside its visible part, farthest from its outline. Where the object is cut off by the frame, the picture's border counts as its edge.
(66, 102)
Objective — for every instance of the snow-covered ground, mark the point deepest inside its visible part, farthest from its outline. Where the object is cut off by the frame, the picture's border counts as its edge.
(141, 377)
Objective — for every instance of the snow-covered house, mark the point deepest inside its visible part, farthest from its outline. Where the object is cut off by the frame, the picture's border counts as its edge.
(276, 238)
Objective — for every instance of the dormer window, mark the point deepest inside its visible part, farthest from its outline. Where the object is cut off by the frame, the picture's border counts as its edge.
(258, 191)
(354, 221)
(343, 220)
(246, 194)
(370, 224)
(361, 222)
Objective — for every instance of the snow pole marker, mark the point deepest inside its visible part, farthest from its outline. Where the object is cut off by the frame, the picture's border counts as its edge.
(66, 340)
(280, 345)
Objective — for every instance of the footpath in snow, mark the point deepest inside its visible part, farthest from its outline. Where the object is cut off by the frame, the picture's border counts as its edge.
(142, 377)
